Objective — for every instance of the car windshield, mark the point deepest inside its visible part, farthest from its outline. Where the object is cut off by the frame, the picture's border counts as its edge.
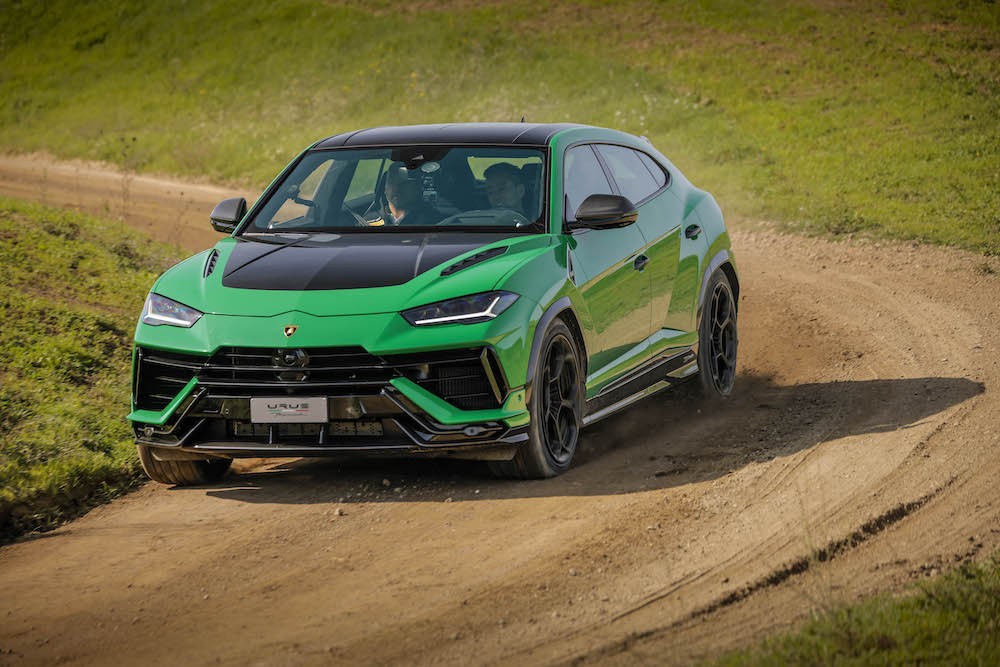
(408, 188)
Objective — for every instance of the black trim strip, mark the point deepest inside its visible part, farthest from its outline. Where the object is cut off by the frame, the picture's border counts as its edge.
(635, 382)
(536, 343)
(484, 358)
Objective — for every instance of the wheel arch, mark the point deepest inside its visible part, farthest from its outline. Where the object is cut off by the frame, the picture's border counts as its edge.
(721, 261)
(561, 309)
(730, 271)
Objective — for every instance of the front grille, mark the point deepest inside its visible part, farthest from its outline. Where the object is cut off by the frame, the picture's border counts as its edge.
(160, 375)
(325, 369)
(457, 376)
(366, 428)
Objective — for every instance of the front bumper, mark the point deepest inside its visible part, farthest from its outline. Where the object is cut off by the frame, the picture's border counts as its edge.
(211, 416)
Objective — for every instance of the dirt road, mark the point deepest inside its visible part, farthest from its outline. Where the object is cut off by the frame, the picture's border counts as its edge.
(171, 211)
(860, 452)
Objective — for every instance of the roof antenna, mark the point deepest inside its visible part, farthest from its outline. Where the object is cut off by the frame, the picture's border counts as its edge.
(522, 119)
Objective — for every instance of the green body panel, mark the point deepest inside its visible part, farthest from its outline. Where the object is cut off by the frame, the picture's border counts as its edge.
(625, 317)
(163, 416)
(616, 295)
(660, 223)
(512, 412)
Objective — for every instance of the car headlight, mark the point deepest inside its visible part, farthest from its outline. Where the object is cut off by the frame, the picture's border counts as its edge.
(161, 310)
(463, 310)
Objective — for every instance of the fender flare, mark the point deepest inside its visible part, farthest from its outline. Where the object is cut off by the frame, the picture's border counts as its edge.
(558, 306)
(718, 260)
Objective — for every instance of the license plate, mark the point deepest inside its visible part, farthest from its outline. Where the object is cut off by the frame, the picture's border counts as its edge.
(287, 410)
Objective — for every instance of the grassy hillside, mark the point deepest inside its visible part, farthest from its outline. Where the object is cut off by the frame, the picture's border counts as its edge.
(950, 620)
(72, 290)
(840, 117)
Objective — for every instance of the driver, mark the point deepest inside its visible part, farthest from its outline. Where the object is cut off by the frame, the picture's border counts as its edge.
(405, 198)
(504, 187)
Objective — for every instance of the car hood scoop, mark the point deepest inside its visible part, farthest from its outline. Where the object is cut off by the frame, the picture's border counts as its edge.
(344, 261)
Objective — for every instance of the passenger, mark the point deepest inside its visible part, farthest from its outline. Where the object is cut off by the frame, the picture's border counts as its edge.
(405, 199)
(504, 187)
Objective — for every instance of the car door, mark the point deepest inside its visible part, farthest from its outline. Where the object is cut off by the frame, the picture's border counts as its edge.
(614, 287)
(646, 183)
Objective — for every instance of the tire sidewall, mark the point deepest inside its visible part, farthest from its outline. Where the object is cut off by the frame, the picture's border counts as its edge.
(707, 384)
(540, 454)
(182, 472)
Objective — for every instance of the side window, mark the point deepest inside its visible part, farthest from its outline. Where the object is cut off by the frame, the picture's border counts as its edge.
(629, 172)
(659, 174)
(583, 177)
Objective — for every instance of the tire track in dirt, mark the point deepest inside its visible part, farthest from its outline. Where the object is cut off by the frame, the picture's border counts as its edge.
(796, 568)
(869, 379)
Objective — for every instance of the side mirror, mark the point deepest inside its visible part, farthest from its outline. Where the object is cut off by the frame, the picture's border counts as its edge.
(228, 213)
(605, 212)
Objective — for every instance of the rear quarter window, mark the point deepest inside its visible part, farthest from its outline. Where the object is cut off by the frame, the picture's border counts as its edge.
(659, 174)
(630, 173)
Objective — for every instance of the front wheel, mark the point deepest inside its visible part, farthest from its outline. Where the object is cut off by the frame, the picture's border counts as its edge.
(556, 408)
(717, 340)
(182, 473)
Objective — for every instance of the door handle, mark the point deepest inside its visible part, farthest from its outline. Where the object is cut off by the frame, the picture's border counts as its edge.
(692, 231)
(640, 262)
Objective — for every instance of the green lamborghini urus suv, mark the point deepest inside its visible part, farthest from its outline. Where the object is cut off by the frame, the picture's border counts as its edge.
(479, 291)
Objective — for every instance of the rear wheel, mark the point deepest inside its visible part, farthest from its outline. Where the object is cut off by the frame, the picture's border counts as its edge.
(182, 473)
(556, 408)
(717, 339)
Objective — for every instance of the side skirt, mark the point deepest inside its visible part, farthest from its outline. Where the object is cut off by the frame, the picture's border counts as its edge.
(648, 379)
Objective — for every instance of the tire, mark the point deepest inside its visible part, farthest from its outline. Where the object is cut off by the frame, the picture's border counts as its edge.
(182, 473)
(718, 340)
(556, 409)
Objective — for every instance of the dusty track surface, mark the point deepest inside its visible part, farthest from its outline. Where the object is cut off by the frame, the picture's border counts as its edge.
(167, 210)
(861, 451)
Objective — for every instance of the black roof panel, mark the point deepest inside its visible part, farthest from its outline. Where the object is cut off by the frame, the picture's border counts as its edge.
(530, 134)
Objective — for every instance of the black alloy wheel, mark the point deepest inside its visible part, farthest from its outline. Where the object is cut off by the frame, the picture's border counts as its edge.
(560, 401)
(722, 341)
(555, 403)
(718, 339)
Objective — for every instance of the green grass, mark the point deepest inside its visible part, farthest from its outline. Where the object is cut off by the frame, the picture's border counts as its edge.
(72, 288)
(953, 619)
(831, 117)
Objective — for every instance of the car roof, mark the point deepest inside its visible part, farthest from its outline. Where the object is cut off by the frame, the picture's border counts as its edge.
(520, 134)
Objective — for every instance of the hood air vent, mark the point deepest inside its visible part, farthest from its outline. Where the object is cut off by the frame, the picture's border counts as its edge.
(475, 259)
(213, 257)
